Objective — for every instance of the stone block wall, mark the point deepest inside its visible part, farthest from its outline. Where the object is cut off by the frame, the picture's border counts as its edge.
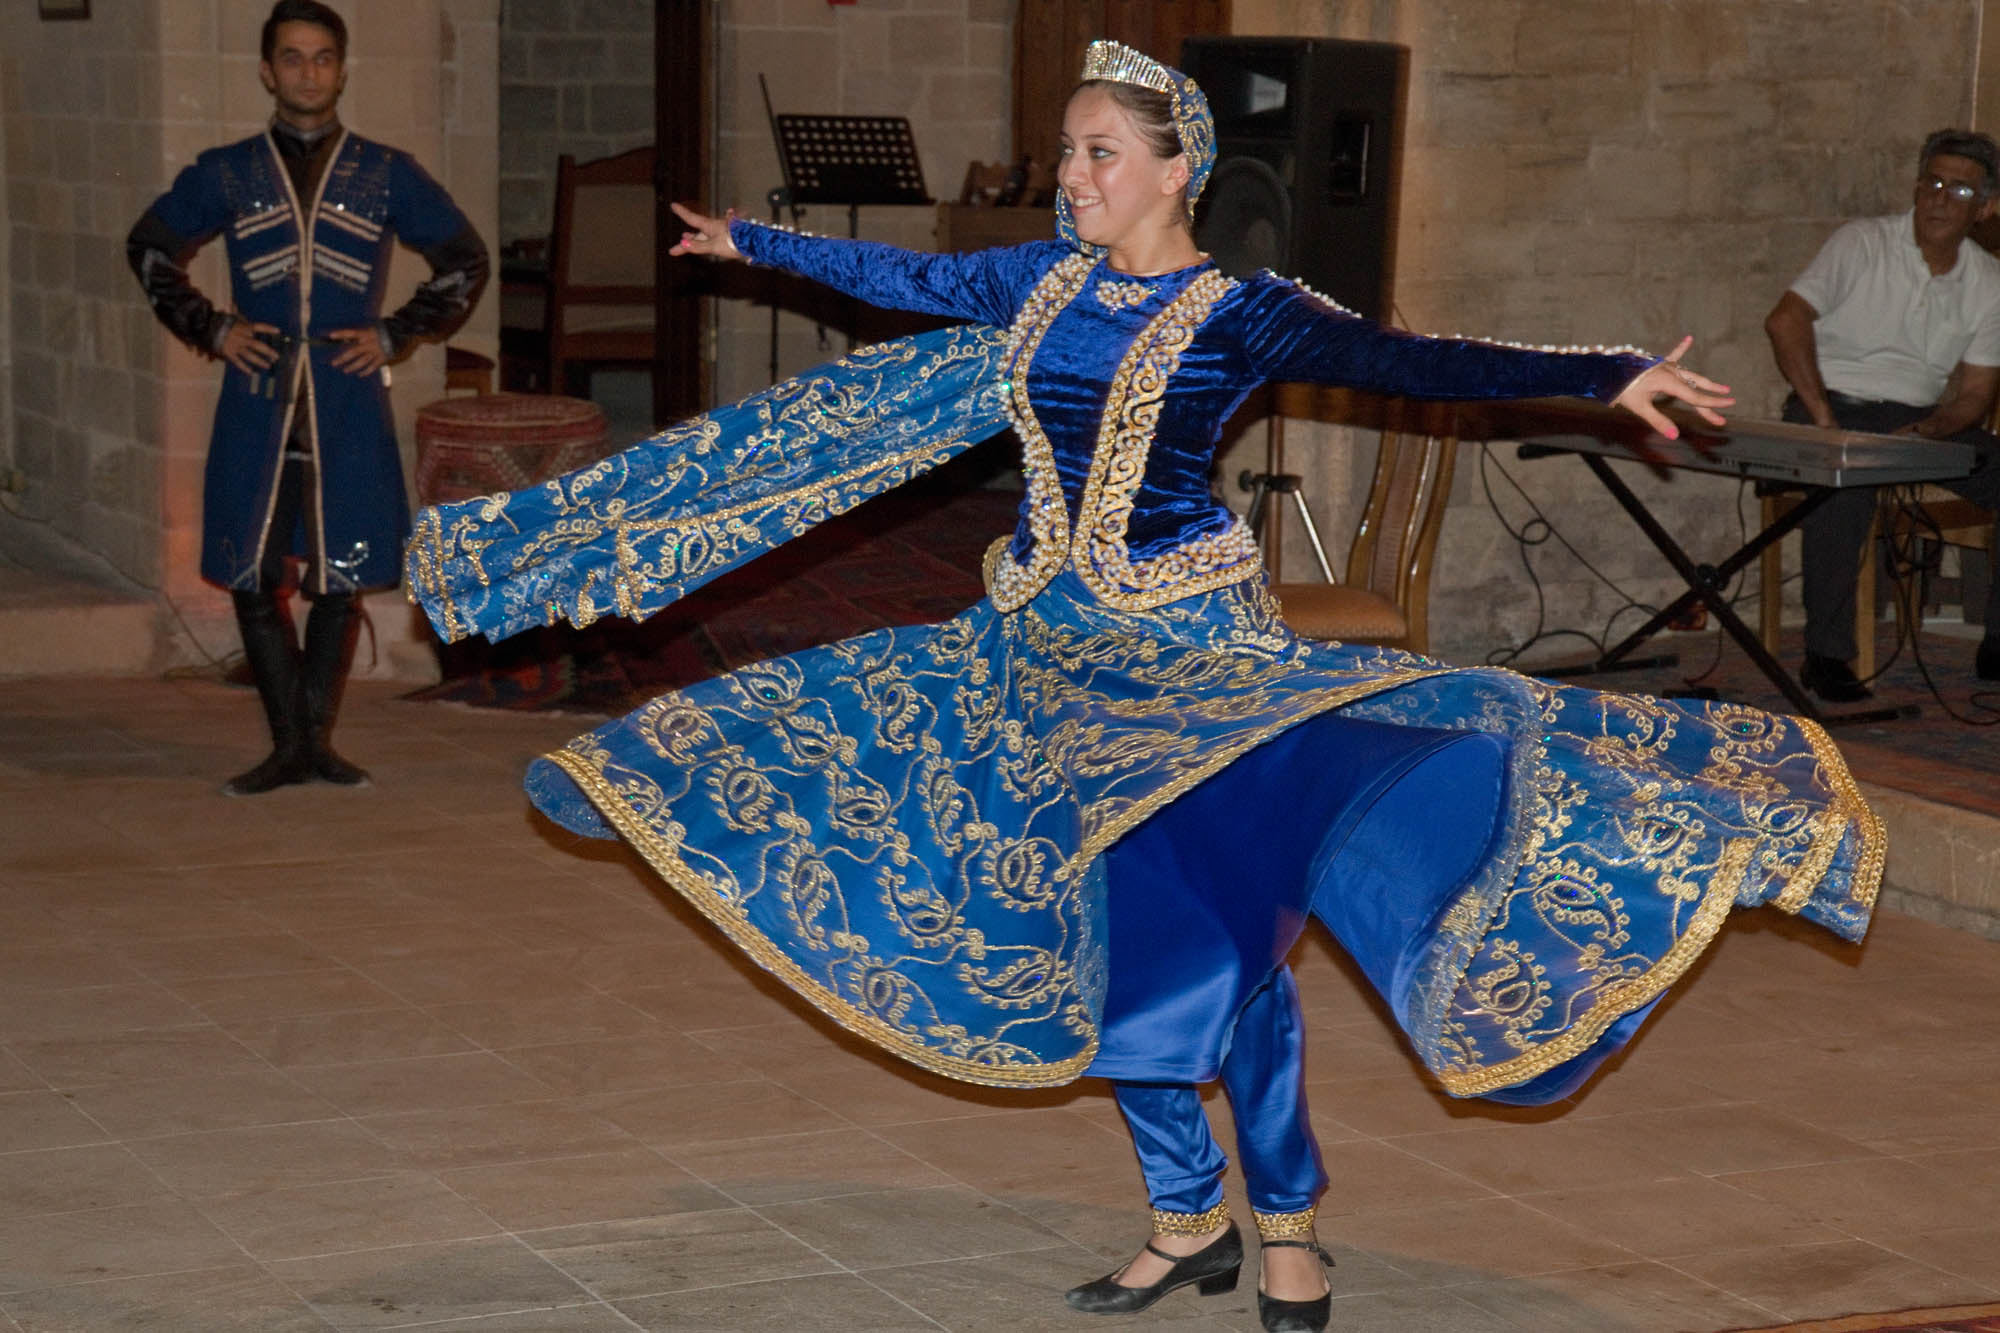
(84, 133)
(945, 64)
(1624, 170)
(576, 76)
(109, 416)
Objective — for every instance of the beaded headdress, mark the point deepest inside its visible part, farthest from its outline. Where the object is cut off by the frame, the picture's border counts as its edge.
(1114, 62)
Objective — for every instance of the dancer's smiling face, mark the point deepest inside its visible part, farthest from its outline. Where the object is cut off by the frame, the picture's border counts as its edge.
(1118, 185)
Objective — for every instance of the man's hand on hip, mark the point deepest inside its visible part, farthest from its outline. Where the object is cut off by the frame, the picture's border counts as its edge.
(242, 348)
(364, 353)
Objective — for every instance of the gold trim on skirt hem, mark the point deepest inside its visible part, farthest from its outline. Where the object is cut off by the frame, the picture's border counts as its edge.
(753, 942)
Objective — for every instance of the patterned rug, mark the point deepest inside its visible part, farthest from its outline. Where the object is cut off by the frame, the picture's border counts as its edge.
(1957, 1319)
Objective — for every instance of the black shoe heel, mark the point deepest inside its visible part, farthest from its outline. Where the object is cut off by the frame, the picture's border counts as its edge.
(1213, 1270)
(1295, 1316)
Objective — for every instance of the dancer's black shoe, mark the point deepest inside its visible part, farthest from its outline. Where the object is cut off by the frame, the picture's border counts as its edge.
(1986, 662)
(1296, 1316)
(1213, 1268)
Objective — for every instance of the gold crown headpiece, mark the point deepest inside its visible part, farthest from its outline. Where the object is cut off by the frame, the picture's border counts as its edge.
(1116, 62)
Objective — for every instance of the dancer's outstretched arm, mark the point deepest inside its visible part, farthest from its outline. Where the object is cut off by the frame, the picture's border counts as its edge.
(986, 286)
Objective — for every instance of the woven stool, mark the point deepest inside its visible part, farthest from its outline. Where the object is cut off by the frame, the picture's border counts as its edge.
(503, 442)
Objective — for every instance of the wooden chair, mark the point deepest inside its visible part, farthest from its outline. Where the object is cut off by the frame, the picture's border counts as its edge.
(601, 265)
(1386, 596)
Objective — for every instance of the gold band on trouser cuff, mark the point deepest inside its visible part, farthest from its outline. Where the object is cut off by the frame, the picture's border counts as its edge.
(1189, 1224)
(1285, 1226)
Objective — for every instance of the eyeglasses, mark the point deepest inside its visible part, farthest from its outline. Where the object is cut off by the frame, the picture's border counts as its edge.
(1958, 190)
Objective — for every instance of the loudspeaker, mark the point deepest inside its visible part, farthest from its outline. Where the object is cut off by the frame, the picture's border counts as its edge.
(1308, 136)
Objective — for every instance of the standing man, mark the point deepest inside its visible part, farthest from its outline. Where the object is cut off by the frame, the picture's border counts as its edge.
(303, 459)
(1895, 327)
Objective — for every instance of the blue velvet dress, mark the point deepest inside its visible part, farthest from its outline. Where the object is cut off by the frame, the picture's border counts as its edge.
(1074, 829)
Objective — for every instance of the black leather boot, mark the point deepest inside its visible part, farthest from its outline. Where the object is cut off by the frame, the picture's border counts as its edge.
(273, 657)
(329, 646)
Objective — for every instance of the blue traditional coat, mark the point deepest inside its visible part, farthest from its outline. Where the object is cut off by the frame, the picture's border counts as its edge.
(309, 267)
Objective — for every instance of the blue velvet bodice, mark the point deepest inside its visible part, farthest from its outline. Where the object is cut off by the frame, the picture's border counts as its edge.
(1121, 386)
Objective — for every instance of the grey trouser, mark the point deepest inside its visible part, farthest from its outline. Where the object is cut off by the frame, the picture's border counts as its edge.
(1832, 537)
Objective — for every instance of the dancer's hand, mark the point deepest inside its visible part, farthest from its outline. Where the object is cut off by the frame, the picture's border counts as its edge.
(1670, 379)
(705, 235)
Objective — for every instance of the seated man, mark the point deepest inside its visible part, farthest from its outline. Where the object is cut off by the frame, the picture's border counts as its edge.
(1895, 327)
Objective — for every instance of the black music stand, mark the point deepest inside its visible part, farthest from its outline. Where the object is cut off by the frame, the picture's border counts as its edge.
(842, 160)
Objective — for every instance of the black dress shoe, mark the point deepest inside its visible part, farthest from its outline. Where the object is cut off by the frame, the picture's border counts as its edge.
(281, 768)
(1832, 680)
(1986, 663)
(1296, 1316)
(1214, 1268)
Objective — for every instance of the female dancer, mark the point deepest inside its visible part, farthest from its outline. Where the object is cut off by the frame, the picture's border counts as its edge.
(1077, 828)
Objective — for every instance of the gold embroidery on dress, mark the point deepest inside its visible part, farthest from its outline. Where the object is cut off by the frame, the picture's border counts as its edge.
(1114, 295)
(1008, 584)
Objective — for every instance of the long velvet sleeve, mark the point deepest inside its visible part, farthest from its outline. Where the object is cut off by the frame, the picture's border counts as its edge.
(179, 223)
(1292, 334)
(985, 286)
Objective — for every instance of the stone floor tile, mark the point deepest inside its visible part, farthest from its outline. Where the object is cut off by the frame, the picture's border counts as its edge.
(62, 1180)
(413, 1284)
(63, 967)
(1883, 1200)
(806, 1166)
(231, 1161)
(869, 1093)
(348, 1037)
(474, 974)
(653, 1059)
(594, 1187)
(485, 1135)
(30, 1120)
(1450, 1243)
(1680, 1215)
(1621, 1298)
(595, 1317)
(1736, 1137)
(1524, 1159)
(235, 1000)
(158, 1236)
(1969, 1252)
(405, 1209)
(649, 1256)
(238, 1299)
(899, 1227)
(526, 1019)
(41, 1015)
(149, 1108)
(674, 1118)
(1823, 1281)
(1025, 1149)
(422, 1083)
(1368, 1174)
(68, 1062)
(1402, 1104)
(834, 1303)
(175, 960)
(1023, 1293)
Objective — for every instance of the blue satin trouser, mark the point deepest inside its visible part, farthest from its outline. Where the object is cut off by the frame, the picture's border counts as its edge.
(1263, 1074)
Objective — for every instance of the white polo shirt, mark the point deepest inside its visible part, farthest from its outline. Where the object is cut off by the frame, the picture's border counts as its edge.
(1888, 327)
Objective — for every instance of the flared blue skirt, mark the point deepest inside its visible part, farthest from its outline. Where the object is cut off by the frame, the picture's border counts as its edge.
(1017, 848)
